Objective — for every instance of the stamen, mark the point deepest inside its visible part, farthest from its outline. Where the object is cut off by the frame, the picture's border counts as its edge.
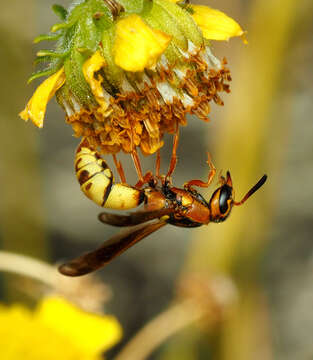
(152, 102)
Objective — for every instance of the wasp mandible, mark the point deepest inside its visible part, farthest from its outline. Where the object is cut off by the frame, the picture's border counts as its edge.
(163, 204)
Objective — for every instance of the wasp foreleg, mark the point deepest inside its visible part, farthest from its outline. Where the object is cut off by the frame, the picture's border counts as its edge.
(200, 183)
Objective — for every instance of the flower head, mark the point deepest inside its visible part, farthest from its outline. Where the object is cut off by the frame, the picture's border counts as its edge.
(127, 72)
(55, 330)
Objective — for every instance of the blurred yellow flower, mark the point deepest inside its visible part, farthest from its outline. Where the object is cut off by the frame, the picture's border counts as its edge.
(55, 330)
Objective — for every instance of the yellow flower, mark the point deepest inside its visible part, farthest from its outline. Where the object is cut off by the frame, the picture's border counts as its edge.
(137, 46)
(55, 330)
(132, 70)
(36, 107)
(215, 25)
(90, 67)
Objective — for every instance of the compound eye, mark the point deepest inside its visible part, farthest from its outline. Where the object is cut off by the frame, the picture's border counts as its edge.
(225, 196)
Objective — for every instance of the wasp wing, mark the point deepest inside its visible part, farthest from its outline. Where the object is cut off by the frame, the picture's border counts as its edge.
(112, 248)
(134, 218)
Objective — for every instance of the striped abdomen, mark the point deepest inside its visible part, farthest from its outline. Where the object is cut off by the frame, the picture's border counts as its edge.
(97, 182)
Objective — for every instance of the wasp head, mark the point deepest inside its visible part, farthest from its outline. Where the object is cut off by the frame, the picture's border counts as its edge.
(222, 200)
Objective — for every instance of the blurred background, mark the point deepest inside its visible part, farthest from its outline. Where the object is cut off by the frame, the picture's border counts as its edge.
(265, 249)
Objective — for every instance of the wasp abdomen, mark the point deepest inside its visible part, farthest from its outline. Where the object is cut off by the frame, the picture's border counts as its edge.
(97, 182)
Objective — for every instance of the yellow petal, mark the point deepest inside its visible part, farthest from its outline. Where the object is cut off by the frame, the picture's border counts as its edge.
(137, 46)
(90, 67)
(93, 333)
(36, 108)
(216, 25)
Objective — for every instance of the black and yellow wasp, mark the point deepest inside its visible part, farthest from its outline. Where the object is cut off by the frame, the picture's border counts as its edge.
(162, 204)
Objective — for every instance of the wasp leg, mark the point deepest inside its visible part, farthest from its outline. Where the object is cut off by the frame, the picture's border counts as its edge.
(174, 155)
(158, 164)
(200, 183)
(137, 164)
(135, 156)
(147, 179)
(119, 169)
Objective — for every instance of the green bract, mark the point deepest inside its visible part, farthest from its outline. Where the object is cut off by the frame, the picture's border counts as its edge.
(89, 26)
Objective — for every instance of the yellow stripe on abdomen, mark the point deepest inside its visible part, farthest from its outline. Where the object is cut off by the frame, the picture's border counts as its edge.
(97, 182)
(97, 189)
(123, 197)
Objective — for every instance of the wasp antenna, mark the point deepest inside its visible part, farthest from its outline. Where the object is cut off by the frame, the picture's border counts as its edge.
(252, 190)
(228, 179)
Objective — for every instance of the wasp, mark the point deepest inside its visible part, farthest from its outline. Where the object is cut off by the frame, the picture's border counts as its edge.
(162, 202)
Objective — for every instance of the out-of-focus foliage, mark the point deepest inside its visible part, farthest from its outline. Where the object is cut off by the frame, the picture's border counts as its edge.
(265, 126)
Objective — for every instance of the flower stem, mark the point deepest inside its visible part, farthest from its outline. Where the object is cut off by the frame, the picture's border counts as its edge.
(163, 326)
(27, 266)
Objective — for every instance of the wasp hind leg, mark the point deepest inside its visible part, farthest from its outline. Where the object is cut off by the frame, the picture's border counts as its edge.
(149, 178)
(158, 164)
(189, 185)
(136, 160)
(173, 161)
(119, 169)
